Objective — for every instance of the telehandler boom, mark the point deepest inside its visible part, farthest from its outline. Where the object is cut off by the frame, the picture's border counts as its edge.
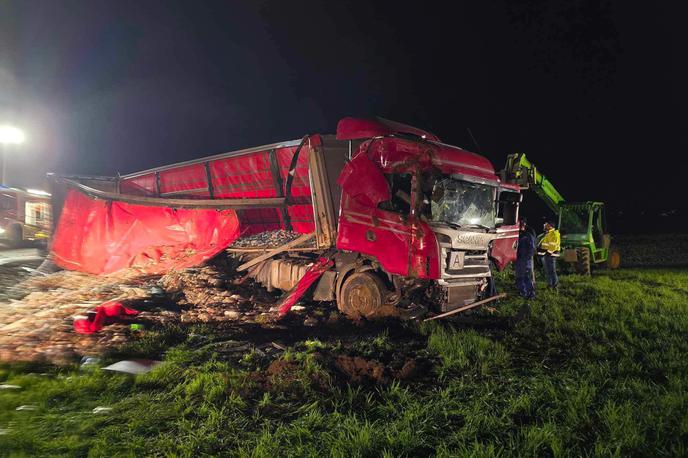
(585, 240)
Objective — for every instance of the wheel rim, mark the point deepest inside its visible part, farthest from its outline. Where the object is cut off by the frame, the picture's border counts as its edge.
(362, 296)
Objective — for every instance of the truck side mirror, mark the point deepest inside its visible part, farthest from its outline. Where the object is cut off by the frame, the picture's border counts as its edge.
(364, 182)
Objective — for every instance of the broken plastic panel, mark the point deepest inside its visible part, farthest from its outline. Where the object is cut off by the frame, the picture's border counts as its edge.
(134, 366)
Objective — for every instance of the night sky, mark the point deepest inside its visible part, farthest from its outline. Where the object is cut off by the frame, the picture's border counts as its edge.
(593, 91)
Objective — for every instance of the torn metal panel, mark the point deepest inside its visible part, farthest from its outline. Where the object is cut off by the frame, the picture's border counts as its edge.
(314, 272)
(503, 248)
(325, 289)
(357, 128)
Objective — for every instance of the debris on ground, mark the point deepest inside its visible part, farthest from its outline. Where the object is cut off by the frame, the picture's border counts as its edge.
(111, 310)
(38, 324)
(135, 366)
(28, 407)
(210, 294)
(10, 387)
(101, 409)
(10, 276)
(89, 362)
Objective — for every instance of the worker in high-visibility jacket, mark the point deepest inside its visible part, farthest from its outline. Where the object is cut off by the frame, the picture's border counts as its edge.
(549, 248)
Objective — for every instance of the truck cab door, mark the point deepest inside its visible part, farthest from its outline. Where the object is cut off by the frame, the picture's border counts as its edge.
(364, 227)
(503, 248)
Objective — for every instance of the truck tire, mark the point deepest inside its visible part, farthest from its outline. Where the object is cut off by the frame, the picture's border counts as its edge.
(583, 262)
(362, 296)
(15, 235)
(614, 258)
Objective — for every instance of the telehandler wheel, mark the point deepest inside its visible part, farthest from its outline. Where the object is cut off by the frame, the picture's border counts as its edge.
(362, 296)
(614, 258)
(583, 262)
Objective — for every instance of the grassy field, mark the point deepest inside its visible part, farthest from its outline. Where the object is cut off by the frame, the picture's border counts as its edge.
(598, 368)
(653, 250)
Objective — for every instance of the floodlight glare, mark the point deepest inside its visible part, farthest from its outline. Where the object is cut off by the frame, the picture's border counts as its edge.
(38, 192)
(11, 135)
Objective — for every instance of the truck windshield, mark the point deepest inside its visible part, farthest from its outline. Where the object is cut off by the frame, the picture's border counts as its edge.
(462, 203)
(574, 220)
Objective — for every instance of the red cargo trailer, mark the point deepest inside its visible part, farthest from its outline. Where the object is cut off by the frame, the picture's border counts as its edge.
(403, 216)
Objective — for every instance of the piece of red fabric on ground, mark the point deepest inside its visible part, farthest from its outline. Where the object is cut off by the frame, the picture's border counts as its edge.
(112, 309)
(313, 273)
(102, 237)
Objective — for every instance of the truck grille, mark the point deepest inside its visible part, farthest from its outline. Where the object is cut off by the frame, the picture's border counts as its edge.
(464, 264)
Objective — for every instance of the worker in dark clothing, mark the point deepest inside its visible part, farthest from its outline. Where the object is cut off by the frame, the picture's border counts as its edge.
(524, 261)
(549, 248)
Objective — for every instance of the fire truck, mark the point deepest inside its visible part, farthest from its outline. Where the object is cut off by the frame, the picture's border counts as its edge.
(399, 214)
(24, 215)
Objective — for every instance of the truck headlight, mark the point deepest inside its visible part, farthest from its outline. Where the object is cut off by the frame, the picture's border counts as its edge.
(2, 231)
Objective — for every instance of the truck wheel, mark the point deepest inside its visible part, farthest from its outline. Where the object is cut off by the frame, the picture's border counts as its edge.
(15, 235)
(362, 296)
(583, 262)
(614, 258)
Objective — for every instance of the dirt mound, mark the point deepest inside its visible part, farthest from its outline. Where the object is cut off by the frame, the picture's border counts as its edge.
(346, 369)
(361, 370)
(408, 371)
(282, 368)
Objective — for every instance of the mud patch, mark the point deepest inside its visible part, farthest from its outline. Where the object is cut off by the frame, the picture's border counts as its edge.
(282, 368)
(408, 371)
(361, 370)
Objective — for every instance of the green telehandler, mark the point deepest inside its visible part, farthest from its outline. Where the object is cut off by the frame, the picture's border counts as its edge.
(585, 240)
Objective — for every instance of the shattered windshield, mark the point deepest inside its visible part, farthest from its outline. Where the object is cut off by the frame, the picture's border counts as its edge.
(462, 203)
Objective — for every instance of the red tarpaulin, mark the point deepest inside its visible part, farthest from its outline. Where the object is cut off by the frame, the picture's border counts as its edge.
(102, 237)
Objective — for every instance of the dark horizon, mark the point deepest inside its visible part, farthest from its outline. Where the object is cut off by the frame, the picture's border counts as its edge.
(593, 92)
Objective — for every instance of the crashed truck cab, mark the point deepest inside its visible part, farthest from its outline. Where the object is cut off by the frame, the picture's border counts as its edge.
(429, 217)
(390, 214)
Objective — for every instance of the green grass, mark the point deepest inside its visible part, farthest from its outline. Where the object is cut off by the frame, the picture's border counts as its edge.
(598, 369)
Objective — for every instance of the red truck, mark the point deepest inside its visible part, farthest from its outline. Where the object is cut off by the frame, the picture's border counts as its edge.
(402, 216)
(24, 215)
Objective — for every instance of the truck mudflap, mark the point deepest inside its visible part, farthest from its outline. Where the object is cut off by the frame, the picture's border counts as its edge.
(101, 237)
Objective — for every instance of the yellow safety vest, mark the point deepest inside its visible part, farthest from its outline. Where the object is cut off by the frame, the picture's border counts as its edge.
(551, 241)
